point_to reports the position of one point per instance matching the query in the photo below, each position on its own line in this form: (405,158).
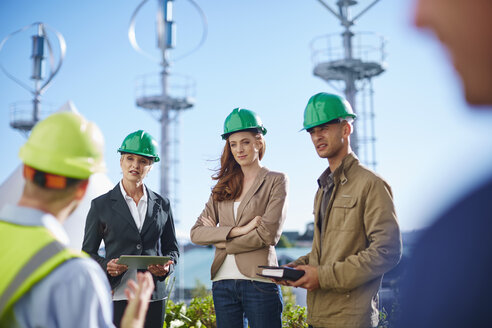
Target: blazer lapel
(120,206)
(252,190)
(152,208)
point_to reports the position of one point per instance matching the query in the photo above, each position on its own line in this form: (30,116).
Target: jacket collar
(260,178)
(120,206)
(153,207)
(340,174)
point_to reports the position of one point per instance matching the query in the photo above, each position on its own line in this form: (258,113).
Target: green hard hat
(140,143)
(325,107)
(242,119)
(65,144)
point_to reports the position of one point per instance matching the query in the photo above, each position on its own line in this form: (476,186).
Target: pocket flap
(345,202)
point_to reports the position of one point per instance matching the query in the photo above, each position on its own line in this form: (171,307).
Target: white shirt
(229,269)
(138,213)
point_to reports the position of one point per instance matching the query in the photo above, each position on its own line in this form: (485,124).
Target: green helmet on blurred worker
(65,144)
(325,107)
(242,119)
(140,143)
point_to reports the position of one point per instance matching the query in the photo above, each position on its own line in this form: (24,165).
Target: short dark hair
(335,121)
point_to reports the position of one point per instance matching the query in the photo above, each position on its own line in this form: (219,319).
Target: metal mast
(166,96)
(354,64)
(21,118)
(161,102)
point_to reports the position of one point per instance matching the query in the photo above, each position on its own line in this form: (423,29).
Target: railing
(22,114)
(180,87)
(366,46)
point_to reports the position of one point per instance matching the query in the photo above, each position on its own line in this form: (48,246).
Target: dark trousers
(154,318)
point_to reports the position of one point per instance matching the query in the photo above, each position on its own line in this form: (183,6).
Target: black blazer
(110,219)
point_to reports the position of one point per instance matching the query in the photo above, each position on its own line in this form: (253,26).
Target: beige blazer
(266,198)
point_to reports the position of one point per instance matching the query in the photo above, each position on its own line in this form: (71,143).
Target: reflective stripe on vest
(28,255)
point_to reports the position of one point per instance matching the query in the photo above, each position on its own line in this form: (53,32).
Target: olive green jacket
(360,242)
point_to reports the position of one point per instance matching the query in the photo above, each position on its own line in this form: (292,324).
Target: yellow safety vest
(27,255)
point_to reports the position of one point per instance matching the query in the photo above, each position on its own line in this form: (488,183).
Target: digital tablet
(141,261)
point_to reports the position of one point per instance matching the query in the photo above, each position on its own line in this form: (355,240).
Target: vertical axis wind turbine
(354,65)
(21,118)
(167,95)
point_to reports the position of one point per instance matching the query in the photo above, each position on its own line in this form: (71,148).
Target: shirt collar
(29,216)
(326,178)
(126,197)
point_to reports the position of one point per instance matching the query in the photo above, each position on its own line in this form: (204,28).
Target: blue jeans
(239,302)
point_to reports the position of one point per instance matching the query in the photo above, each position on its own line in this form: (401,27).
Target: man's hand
(160,270)
(138,294)
(309,280)
(115,269)
(284,282)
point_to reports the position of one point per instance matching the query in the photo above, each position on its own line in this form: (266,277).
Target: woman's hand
(253,224)
(115,269)
(208,221)
(220,244)
(239,231)
(160,270)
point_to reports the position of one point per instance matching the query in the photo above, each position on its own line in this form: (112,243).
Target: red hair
(230,176)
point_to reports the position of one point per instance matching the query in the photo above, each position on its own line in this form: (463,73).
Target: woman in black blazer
(131,219)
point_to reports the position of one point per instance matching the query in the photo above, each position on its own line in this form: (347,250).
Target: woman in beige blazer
(243,219)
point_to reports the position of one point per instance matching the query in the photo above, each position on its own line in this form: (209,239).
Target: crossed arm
(234,232)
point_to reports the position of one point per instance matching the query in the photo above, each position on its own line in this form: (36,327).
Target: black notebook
(280,273)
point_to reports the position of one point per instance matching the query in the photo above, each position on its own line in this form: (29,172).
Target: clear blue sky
(430,146)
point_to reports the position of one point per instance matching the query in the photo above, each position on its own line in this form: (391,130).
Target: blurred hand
(115,269)
(138,294)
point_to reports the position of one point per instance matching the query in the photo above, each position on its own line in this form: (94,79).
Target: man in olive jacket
(356,235)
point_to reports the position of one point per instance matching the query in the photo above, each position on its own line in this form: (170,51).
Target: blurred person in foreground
(449,278)
(356,236)
(131,219)
(44,283)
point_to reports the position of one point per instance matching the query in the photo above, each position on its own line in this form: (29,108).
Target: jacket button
(139,246)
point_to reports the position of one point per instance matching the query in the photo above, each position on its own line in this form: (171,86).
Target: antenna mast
(166,96)
(154,92)
(354,63)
